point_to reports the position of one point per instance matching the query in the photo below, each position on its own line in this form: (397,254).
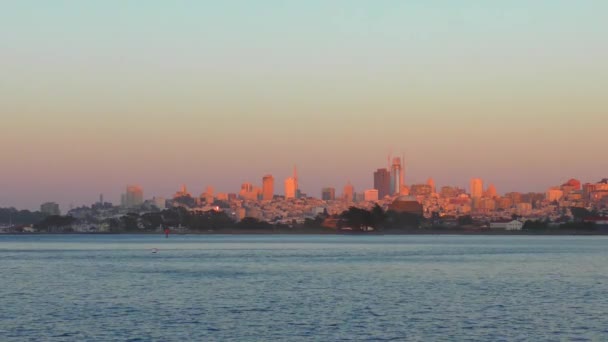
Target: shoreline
(263,232)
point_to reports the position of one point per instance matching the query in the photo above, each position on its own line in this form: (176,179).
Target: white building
(507,225)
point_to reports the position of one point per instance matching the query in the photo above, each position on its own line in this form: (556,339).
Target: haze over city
(98,95)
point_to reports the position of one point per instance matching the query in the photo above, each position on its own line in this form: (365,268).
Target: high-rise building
(328,194)
(50,208)
(491,191)
(396,176)
(431,182)
(349,193)
(267,187)
(249,192)
(476,188)
(134,196)
(382,182)
(290,187)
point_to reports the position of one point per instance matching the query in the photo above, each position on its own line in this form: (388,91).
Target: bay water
(303,288)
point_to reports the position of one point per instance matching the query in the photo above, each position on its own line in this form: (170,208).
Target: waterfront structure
(328,194)
(382,182)
(507,225)
(476,188)
(134,197)
(50,208)
(267,187)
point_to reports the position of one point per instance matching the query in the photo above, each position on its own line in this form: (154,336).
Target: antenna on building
(402,168)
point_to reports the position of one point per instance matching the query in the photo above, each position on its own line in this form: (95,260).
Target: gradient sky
(95,95)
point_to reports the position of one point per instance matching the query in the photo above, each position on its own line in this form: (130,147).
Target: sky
(95,95)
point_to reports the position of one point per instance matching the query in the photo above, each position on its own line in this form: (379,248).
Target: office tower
(382,182)
(267,187)
(50,208)
(134,196)
(476,188)
(349,193)
(290,187)
(328,194)
(396,176)
(431,182)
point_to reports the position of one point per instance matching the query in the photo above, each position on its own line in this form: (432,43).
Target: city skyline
(206,93)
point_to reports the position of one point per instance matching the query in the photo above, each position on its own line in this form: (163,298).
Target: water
(292,288)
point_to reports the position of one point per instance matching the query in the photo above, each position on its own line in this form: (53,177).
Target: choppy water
(290,288)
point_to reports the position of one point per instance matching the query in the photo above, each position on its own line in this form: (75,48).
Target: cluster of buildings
(446,204)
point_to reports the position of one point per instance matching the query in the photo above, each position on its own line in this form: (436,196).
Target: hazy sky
(95,95)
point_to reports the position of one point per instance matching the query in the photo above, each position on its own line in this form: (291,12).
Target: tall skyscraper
(328,194)
(476,188)
(349,193)
(382,182)
(290,187)
(431,182)
(396,176)
(134,196)
(268,187)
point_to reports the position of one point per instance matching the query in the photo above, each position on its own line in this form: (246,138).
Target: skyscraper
(328,194)
(290,187)
(349,193)
(431,182)
(268,187)
(382,182)
(396,176)
(476,188)
(134,196)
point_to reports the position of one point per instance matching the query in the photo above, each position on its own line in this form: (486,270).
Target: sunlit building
(476,188)
(134,196)
(396,176)
(290,187)
(267,187)
(431,182)
(491,191)
(370,195)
